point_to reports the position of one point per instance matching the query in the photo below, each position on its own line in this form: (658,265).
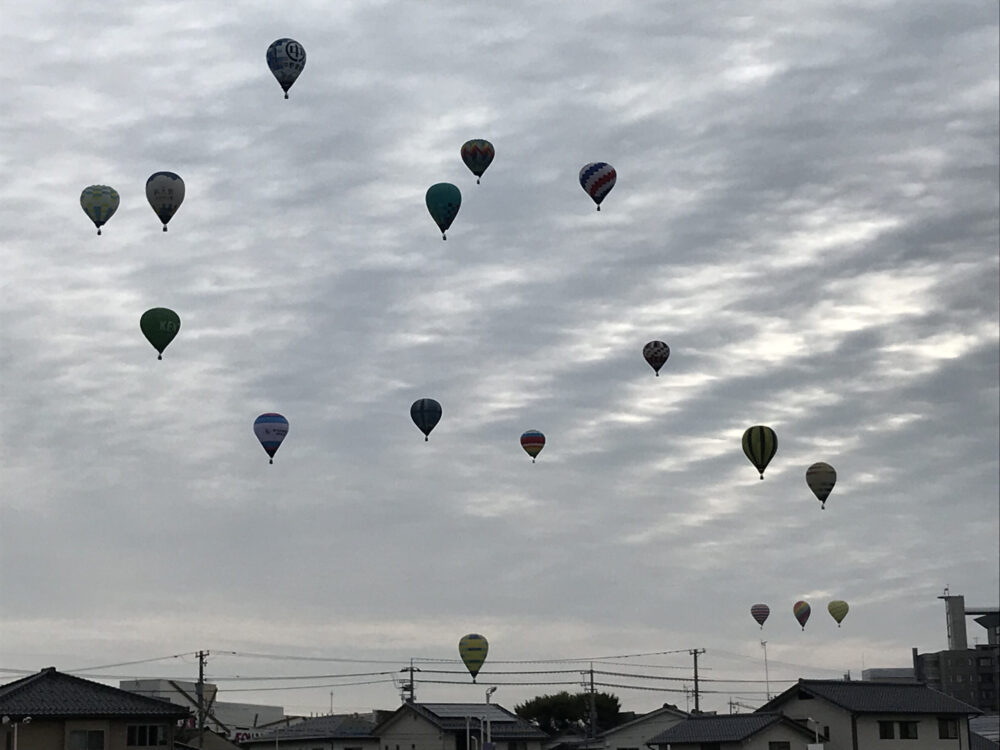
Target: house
(636,734)
(334,732)
(457,726)
(756,731)
(55,711)
(858,715)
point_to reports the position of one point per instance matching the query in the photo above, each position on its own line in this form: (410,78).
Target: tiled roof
(727,728)
(451,717)
(54,694)
(877,697)
(638,720)
(978,742)
(337,726)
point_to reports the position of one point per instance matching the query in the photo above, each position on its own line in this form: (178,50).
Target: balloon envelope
(286,58)
(656,354)
(760,613)
(533,441)
(165,193)
(802,610)
(270,430)
(443,201)
(425,413)
(99,202)
(473,649)
(477,155)
(159,325)
(760,444)
(838,610)
(597,178)
(821,477)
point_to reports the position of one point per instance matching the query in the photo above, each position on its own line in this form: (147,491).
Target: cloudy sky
(806,212)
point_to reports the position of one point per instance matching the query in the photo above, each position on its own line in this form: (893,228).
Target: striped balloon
(270,430)
(533,441)
(760,613)
(802,610)
(425,413)
(99,202)
(597,178)
(473,649)
(477,155)
(760,444)
(821,477)
(656,354)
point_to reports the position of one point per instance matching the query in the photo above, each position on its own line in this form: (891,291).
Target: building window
(145,735)
(907,730)
(86,739)
(709,746)
(948,729)
(886,730)
(780,745)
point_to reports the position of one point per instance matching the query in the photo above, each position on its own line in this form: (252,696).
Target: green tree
(564,712)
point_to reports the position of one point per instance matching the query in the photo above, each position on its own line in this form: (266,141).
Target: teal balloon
(443,201)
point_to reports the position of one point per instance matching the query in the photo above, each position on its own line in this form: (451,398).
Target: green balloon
(159,326)
(443,201)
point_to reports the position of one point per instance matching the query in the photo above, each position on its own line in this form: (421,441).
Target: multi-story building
(972,674)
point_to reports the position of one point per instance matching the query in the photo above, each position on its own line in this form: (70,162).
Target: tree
(564,712)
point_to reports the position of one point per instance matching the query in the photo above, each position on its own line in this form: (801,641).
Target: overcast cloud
(806,212)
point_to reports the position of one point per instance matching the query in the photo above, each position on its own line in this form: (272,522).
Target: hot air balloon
(597,178)
(473,649)
(802,611)
(286,58)
(270,430)
(165,192)
(159,325)
(477,155)
(821,477)
(443,201)
(760,444)
(838,610)
(99,202)
(533,441)
(760,613)
(425,413)
(656,354)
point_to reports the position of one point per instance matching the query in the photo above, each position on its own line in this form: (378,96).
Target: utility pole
(694,652)
(593,705)
(200,693)
(408,691)
(767,679)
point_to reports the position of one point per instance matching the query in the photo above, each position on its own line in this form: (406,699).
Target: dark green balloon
(443,201)
(159,326)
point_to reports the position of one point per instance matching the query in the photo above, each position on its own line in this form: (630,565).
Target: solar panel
(461,710)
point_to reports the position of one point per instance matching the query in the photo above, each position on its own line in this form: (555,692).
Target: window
(948,729)
(886,730)
(145,735)
(86,739)
(709,746)
(779,746)
(907,730)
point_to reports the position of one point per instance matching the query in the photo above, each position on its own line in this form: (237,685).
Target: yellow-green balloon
(99,202)
(473,648)
(838,610)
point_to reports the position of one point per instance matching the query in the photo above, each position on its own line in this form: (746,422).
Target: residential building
(457,726)
(858,715)
(756,731)
(636,734)
(55,711)
(228,719)
(335,732)
(889,674)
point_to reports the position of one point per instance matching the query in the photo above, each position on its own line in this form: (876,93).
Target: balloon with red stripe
(533,441)
(802,610)
(597,178)
(760,613)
